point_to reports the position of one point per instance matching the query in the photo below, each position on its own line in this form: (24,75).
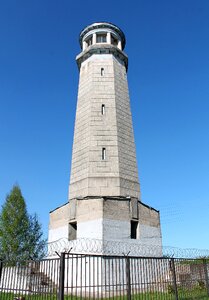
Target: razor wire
(131,248)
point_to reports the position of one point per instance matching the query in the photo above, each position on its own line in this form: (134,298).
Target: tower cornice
(102,49)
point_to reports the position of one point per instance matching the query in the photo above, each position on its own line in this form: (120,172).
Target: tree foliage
(20,233)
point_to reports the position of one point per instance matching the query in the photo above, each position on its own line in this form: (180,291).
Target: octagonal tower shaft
(104,156)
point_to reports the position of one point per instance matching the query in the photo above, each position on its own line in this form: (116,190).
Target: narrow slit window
(103,109)
(102,71)
(134,225)
(103,153)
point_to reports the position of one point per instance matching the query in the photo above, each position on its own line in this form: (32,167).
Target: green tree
(36,245)
(20,233)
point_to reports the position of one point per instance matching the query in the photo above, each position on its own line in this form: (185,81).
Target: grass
(194,294)
(144,296)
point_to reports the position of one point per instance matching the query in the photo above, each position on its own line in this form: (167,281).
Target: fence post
(206,275)
(1,268)
(62,276)
(128,278)
(174,279)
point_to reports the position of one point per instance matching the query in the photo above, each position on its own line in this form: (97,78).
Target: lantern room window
(101,38)
(89,41)
(114,41)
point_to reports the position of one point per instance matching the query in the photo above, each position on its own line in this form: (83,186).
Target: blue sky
(168,49)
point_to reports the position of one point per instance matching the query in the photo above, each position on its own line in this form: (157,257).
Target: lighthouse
(104,202)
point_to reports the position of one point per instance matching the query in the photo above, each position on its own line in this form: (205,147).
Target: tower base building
(104,213)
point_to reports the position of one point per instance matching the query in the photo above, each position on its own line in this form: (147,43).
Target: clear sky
(168,49)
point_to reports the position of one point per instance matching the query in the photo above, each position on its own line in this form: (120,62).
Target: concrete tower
(104,194)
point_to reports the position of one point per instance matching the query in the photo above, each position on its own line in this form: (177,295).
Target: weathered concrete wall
(92,229)
(89,209)
(59,216)
(149,229)
(58,223)
(108,219)
(148,215)
(90,218)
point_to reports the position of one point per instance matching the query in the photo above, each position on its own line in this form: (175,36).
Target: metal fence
(31,279)
(80,276)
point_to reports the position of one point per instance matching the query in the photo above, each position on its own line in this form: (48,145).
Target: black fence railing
(80,276)
(30,279)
